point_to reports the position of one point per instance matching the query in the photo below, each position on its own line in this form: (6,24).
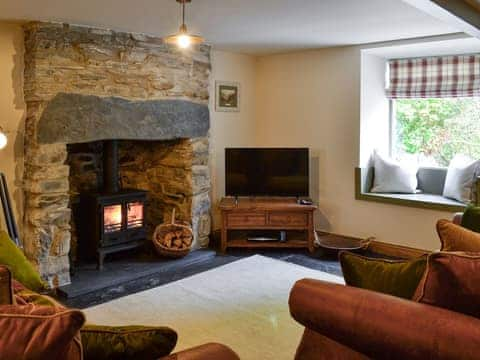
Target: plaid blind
(434,77)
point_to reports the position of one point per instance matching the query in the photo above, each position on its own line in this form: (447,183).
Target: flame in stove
(135,214)
(112,218)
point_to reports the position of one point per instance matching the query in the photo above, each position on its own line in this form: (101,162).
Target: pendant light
(183,39)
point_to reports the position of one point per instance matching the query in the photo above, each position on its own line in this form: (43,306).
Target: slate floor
(127,275)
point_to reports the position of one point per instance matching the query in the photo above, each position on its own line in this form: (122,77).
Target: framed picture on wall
(227,96)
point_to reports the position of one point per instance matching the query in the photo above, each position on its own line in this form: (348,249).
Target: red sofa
(343,322)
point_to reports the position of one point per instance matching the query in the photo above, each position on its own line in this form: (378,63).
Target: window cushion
(460,178)
(127,342)
(394,277)
(392,177)
(21,269)
(471,218)
(452,281)
(457,238)
(40,332)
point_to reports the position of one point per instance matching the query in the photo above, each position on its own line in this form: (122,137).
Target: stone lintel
(75,118)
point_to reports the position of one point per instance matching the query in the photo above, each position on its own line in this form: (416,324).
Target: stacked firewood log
(173,239)
(180,238)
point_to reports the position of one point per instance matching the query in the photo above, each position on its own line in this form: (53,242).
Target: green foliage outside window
(438,129)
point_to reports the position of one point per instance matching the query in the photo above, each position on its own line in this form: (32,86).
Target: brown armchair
(343,322)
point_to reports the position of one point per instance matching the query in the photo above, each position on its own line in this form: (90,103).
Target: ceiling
(248,26)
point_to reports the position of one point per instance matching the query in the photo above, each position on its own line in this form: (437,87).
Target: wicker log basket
(173,239)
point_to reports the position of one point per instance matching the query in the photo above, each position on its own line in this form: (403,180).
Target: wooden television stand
(244,215)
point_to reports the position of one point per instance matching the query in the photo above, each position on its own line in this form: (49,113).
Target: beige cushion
(456,238)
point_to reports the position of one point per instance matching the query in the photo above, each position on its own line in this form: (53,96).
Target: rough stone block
(201,179)
(51,186)
(46,154)
(71,118)
(31,242)
(61,243)
(201,204)
(53,172)
(46,200)
(56,271)
(50,216)
(200,146)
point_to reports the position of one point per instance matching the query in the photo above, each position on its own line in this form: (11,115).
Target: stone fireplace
(174,173)
(86,85)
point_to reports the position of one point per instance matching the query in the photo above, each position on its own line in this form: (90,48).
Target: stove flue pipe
(110,166)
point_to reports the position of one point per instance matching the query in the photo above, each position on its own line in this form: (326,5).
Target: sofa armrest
(210,351)
(383,326)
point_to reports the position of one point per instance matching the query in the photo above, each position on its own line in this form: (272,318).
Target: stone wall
(175,173)
(103,63)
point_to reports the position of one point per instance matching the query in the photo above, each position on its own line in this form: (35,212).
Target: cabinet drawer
(288,219)
(246,219)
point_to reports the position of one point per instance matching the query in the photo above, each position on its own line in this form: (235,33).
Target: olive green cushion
(26,296)
(394,277)
(471,218)
(22,270)
(127,342)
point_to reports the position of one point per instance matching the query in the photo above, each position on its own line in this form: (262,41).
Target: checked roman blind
(434,77)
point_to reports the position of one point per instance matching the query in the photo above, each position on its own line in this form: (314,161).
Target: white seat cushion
(393,177)
(460,179)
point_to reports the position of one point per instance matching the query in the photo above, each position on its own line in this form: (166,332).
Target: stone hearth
(84,85)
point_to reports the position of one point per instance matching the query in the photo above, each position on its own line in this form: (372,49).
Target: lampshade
(183,39)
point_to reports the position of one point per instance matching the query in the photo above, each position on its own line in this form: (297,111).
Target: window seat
(430,182)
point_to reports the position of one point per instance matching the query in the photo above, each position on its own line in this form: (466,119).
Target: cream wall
(230,129)
(313,99)
(12,111)
(375,109)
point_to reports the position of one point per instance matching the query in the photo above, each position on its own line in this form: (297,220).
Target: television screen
(266,171)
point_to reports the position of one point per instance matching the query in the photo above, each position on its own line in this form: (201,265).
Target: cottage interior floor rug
(243,304)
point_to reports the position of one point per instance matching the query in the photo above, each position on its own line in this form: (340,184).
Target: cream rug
(243,304)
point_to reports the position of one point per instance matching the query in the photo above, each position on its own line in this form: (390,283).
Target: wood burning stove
(112,220)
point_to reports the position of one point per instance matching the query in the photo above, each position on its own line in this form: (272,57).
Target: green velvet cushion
(127,342)
(22,270)
(394,277)
(471,218)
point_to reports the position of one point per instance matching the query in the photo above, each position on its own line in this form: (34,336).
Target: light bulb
(3,140)
(183,41)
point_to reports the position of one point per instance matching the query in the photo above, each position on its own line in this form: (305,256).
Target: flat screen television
(266,172)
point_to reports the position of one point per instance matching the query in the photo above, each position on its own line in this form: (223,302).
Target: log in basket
(173,239)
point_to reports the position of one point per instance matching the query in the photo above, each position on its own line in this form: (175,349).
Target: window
(435,108)
(434,130)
